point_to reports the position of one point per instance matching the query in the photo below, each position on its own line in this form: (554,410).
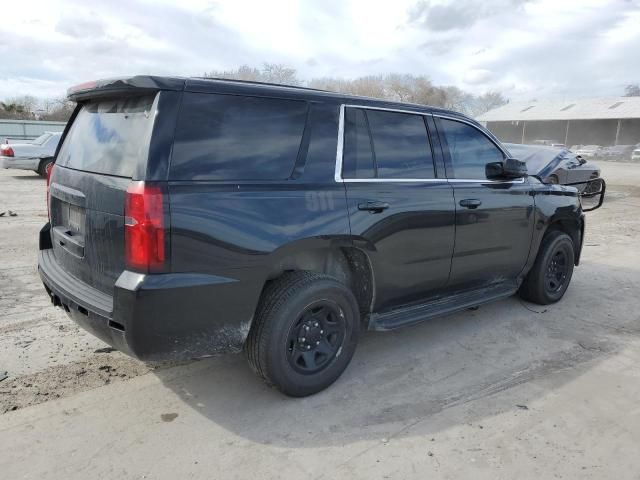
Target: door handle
(373,206)
(470,203)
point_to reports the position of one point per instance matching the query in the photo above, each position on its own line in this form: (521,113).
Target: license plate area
(69,233)
(73,218)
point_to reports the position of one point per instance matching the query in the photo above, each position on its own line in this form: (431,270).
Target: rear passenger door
(494,218)
(400,205)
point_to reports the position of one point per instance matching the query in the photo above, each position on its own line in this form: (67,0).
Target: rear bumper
(156,317)
(19,163)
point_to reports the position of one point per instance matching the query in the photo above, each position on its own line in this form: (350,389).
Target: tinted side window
(358,156)
(401,145)
(381,144)
(230,137)
(321,155)
(469,148)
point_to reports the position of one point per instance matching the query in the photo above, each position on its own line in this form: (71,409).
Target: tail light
(49,172)
(6,151)
(144,234)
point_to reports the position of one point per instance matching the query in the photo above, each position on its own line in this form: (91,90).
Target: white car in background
(635,155)
(588,151)
(36,156)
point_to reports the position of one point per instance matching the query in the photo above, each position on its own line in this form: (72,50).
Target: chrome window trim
(472,180)
(394,110)
(340,152)
(392,180)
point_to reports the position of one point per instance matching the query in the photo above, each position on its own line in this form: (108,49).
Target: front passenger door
(494,218)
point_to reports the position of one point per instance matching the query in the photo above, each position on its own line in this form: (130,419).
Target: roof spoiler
(130,85)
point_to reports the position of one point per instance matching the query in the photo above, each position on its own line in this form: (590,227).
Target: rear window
(231,137)
(383,144)
(401,145)
(110,136)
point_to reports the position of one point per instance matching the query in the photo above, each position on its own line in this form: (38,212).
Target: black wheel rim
(557,270)
(316,337)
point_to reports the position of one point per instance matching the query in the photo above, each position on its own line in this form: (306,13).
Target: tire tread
(532,289)
(275,295)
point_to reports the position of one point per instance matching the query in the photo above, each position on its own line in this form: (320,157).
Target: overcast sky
(525,49)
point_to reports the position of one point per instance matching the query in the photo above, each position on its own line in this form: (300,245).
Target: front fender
(556,206)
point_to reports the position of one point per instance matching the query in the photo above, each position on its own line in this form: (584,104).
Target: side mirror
(510,168)
(514,168)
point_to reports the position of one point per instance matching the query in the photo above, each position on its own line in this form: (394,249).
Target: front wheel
(304,333)
(549,278)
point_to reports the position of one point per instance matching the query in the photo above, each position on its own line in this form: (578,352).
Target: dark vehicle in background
(190,217)
(555,165)
(36,155)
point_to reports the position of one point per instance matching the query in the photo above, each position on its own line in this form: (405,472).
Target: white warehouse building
(602,121)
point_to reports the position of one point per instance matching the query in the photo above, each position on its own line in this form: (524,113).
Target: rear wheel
(45,166)
(549,278)
(304,333)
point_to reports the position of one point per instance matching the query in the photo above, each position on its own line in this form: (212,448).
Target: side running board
(413,314)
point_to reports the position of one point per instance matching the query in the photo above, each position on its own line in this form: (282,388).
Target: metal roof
(580,109)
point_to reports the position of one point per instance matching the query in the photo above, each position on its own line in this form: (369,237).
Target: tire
(44,166)
(551,274)
(295,360)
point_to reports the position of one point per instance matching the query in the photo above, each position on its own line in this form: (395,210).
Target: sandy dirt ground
(512,390)
(44,354)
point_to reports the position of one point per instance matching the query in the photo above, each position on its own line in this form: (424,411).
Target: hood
(541,160)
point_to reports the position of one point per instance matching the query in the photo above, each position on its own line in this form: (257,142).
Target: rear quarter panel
(244,230)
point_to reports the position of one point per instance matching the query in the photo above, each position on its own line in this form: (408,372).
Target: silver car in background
(588,151)
(36,155)
(555,165)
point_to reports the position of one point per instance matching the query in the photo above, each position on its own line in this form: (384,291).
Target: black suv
(189,217)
